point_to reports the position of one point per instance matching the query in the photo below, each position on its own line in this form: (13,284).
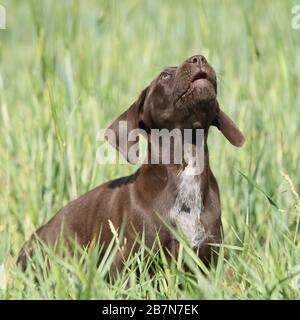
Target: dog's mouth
(201,86)
(201,75)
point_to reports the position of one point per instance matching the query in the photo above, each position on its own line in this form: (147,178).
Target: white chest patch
(188,206)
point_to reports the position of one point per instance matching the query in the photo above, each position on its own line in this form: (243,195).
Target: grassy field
(68,68)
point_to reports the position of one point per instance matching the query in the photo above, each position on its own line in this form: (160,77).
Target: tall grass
(68,68)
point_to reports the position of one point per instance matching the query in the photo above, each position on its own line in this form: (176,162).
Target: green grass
(68,68)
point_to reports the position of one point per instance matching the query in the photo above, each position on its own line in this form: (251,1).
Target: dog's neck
(190,191)
(176,165)
(185,193)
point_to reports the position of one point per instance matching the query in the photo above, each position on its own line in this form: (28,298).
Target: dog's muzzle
(195,83)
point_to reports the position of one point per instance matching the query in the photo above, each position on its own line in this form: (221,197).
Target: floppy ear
(228,128)
(123,126)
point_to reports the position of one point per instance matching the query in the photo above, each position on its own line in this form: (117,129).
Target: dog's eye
(165,76)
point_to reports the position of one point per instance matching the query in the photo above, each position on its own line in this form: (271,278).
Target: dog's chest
(187,208)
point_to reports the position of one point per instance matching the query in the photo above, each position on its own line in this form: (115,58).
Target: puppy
(182,98)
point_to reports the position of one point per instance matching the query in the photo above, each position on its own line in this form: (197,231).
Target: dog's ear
(228,128)
(124,137)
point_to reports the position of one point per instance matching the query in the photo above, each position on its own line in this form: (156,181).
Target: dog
(182,97)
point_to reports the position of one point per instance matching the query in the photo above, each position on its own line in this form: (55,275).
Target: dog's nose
(198,59)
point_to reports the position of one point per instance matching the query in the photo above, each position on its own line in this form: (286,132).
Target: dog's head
(183,97)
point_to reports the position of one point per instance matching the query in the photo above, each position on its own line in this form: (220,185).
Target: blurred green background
(68,68)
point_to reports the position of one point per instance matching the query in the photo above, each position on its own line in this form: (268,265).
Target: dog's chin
(201,93)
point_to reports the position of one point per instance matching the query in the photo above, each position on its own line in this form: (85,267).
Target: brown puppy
(182,97)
